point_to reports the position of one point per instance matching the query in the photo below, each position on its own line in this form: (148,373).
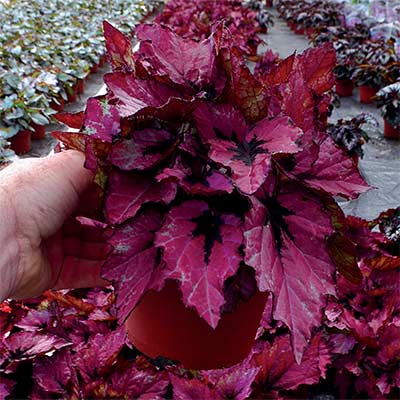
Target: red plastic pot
(161,325)
(344,87)
(94,68)
(59,106)
(390,132)
(366,94)
(310,32)
(103,60)
(39,132)
(80,86)
(72,94)
(299,31)
(21,142)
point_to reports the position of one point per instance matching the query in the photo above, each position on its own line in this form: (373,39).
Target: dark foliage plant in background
(207,174)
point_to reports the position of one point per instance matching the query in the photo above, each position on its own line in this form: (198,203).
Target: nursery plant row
(232,270)
(47,50)
(367,51)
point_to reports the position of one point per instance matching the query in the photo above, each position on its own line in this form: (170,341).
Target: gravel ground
(380,165)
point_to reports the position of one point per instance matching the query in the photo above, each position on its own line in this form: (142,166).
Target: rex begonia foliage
(194,20)
(208,175)
(200,164)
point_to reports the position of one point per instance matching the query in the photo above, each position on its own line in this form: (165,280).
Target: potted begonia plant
(350,135)
(24,112)
(345,67)
(5,152)
(388,100)
(376,67)
(208,176)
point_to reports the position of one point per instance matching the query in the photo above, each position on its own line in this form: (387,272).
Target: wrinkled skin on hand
(42,246)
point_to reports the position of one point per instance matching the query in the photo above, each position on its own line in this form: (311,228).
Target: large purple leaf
(243,89)
(332,171)
(139,97)
(234,382)
(313,366)
(279,369)
(134,383)
(317,66)
(23,345)
(297,101)
(226,383)
(285,242)
(185,389)
(127,192)
(250,159)
(119,48)
(52,374)
(100,353)
(146,148)
(195,240)
(101,119)
(182,61)
(219,120)
(131,265)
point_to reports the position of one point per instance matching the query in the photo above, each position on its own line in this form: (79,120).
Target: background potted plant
(5,152)
(350,135)
(388,100)
(376,66)
(344,68)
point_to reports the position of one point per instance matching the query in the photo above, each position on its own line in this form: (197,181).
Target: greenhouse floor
(380,165)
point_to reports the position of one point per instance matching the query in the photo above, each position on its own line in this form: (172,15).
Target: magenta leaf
(35,320)
(132,264)
(194,240)
(285,242)
(145,149)
(317,65)
(243,89)
(234,382)
(185,389)
(279,369)
(332,171)
(184,62)
(100,353)
(127,192)
(313,366)
(298,102)
(119,48)
(138,96)
(134,383)
(102,119)
(53,374)
(219,121)
(250,159)
(24,345)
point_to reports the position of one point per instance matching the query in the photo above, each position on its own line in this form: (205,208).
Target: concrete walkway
(381,163)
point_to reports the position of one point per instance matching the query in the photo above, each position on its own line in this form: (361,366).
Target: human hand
(40,247)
